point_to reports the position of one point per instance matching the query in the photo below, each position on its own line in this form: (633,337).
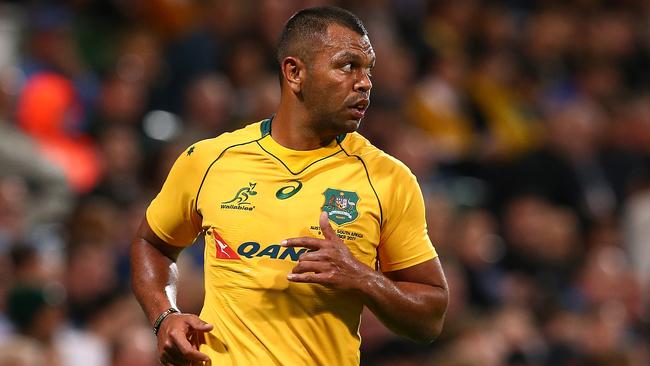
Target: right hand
(174,335)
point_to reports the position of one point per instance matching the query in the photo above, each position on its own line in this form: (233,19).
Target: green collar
(265,129)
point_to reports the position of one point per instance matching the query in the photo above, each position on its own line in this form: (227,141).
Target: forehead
(339,38)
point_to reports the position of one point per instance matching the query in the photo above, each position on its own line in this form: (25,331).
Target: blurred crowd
(527,124)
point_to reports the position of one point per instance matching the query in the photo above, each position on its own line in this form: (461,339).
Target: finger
(316,255)
(196,339)
(197,324)
(184,353)
(326,227)
(185,350)
(323,279)
(304,242)
(310,266)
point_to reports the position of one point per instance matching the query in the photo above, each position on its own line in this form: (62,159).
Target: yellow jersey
(246,193)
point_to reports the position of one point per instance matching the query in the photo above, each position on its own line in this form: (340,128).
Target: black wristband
(161,317)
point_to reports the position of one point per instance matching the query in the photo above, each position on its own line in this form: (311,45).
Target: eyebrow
(352,55)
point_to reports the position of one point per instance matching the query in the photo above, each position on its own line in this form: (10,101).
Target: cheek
(337,91)
(319,95)
(325,93)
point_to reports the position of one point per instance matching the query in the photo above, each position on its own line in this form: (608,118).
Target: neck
(295,130)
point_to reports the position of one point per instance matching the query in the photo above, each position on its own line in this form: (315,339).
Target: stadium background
(526,122)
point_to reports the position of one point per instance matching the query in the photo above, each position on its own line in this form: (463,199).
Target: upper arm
(149,237)
(427,273)
(172,216)
(404,239)
(425,284)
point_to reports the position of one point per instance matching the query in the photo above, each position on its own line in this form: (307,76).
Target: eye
(347,67)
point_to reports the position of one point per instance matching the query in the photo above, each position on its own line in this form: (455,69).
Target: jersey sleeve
(172,214)
(404,238)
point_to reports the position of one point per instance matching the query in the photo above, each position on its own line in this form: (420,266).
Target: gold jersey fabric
(246,193)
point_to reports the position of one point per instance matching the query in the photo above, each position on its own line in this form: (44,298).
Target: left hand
(329,262)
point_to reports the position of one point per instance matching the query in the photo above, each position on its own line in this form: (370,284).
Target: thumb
(197,324)
(326,227)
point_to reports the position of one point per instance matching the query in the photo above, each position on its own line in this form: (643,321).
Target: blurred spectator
(91,276)
(506,126)
(21,351)
(605,267)
(135,347)
(139,58)
(527,125)
(37,313)
(91,281)
(44,182)
(208,104)
(573,168)
(479,249)
(49,111)
(121,102)
(122,161)
(542,243)
(28,266)
(439,106)
(24,164)
(13,227)
(637,237)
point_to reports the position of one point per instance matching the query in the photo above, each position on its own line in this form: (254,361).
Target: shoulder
(377,162)
(212,147)
(199,156)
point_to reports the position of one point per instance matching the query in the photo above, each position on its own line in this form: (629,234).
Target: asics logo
(288,191)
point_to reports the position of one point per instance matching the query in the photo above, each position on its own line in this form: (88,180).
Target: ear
(293,70)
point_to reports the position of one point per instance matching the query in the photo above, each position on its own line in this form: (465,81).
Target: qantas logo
(251,249)
(223,250)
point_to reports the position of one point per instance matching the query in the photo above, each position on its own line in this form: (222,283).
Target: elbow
(436,330)
(430,330)
(428,334)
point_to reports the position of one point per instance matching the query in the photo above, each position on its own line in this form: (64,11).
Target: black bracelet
(161,317)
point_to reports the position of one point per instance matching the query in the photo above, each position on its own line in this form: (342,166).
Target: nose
(363,83)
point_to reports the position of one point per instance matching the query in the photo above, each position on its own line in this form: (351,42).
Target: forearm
(154,278)
(413,310)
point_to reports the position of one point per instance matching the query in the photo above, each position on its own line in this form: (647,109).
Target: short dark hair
(310,24)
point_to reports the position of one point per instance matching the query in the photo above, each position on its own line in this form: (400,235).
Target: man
(284,285)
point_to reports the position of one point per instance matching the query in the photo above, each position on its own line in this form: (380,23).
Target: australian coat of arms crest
(341,206)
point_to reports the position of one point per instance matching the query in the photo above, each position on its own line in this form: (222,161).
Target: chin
(351,125)
(337,127)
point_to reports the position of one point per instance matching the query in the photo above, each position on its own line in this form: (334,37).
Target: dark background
(527,124)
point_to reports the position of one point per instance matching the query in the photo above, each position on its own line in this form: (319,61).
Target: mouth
(359,107)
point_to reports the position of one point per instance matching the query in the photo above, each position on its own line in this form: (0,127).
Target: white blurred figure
(37,313)
(136,347)
(637,238)
(636,214)
(208,106)
(21,351)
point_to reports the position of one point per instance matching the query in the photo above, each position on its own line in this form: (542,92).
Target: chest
(251,203)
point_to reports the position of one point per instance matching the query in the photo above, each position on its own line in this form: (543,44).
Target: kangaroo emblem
(222,248)
(241,198)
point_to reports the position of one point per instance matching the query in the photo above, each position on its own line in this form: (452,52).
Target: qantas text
(252,249)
